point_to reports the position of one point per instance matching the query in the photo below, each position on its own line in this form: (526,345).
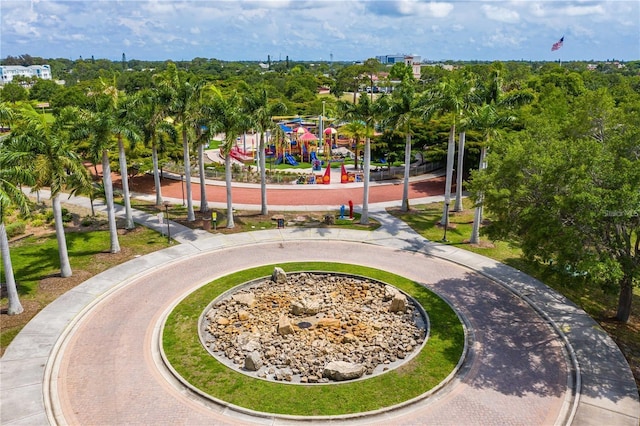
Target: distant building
(414,61)
(8,72)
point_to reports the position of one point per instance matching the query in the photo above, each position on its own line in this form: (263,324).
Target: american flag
(557,45)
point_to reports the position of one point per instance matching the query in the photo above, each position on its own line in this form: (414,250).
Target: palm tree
(202,112)
(183,97)
(123,126)
(368,112)
(44,147)
(451,95)
(356,131)
(97,126)
(261,112)
(228,119)
(10,194)
(401,111)
(156,131)
(6,114)
(487,120)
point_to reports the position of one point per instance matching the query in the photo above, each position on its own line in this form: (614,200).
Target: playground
(297,149)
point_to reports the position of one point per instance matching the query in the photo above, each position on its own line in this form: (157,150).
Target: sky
(321,30)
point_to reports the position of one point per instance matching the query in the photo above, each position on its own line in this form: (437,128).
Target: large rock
(253,361)
(305,307)
(279,275)
(246,299)
(284,326)
(341,371)
(399,303)
(249,342)
(390,292)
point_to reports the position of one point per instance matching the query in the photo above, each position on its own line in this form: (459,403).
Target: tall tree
(156,131)
(123,127)
(356,131)
(96,126)
(451,95)
(260,112)
(44,147)
(488,121)
(572,196)
(228,119)
(368,112)
(183,96)
(402,109)
(10,194)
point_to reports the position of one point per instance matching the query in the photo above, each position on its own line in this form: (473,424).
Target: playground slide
(279,160)
(291,160)
(313,156)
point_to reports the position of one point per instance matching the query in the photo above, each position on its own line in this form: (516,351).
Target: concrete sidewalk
(604,389)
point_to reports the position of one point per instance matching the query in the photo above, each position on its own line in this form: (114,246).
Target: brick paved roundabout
(92,356)
(517,371)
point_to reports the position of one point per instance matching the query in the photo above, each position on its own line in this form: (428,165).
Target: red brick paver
(516,372)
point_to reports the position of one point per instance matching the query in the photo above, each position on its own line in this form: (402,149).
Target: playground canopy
(308,137)
(286,128)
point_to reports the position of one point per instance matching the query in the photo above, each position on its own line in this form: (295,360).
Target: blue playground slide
(313,156)
(279,160)
(290,159)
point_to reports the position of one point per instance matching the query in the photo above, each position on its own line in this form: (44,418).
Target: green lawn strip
(434,363)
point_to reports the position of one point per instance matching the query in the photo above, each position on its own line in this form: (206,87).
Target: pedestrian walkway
(513,373)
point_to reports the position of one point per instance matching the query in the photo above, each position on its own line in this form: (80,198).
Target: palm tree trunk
(407,171)
(187,173)
(108,193)
(364,218)
(477,217)
(227,178)
(447,185)
(356,155)
(458,205)
(156,175)
(125,185)
(263,175)
(204,205)
(65,265)
(15,307)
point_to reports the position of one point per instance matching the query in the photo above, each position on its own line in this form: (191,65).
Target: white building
(8,72)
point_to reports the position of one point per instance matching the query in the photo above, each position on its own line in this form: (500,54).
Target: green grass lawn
(419,375)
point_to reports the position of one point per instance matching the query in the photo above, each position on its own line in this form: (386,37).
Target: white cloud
(500,14)
(582,10)
(351,29)
(440,9)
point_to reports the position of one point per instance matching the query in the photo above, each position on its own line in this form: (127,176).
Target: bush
(38,222)
(87,221)
(16,228)
(66,215)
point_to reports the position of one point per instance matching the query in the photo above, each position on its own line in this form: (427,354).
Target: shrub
(66,215)
(87,221)
(16,228)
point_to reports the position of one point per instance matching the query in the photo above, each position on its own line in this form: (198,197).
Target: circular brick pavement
(516,371)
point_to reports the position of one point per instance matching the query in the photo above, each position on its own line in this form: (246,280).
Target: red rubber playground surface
(294,195)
